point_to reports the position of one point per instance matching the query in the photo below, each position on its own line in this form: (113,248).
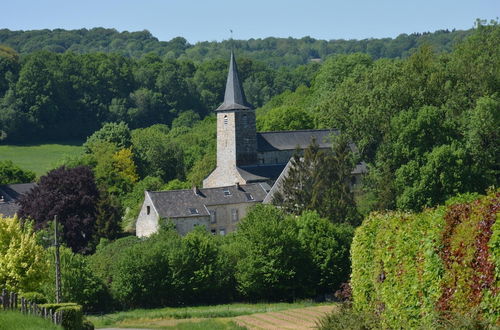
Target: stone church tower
(236,134)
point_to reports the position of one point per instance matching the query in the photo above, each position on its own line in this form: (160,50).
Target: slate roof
(234,97)
(289,140)
(262,172)
(11,194)
(8,209)
(177,203)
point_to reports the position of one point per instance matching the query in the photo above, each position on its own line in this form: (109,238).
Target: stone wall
(147,221)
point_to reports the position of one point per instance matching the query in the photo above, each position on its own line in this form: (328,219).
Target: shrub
(79,283)
(413,269)
(72,316)
(35,297)
(271,262)
(22,263)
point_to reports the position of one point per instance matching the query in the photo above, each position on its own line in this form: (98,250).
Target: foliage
(11,173)
(327,246)
(78,281)
(116,133)
(71,195)
(142,272)
(36,297)
(415,269)
(276,51)
(424,126)
(271,263)
(72,316)
(22,263)
(320,181)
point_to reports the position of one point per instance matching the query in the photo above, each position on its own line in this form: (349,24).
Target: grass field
(218,315)
(16,321)
(40,158)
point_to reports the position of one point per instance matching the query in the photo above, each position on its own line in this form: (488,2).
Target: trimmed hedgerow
(412,269)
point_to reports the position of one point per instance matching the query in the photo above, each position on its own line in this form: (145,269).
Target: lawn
(164,317)
(10,320)
(40,158)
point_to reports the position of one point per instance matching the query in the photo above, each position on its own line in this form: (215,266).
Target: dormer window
(225,119)
(193,211)
(249,196)
(226,192)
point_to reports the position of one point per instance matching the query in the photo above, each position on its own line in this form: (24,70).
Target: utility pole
(58,263)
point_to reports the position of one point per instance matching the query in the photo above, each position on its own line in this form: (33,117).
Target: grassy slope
(142,316)
(16,321)
(39,158)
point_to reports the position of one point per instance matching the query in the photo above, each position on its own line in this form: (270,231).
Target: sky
(209,20)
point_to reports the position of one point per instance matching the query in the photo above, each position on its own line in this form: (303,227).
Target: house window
(249,196)
(193,211)
(226,192)
(245,121)
(148,209)
(213,216)
(234,215)
(213,231)
(225,119)
(222,231)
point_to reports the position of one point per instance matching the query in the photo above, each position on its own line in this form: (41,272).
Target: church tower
(236,133)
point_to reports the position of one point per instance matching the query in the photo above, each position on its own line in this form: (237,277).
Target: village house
(250,166)
(10,195)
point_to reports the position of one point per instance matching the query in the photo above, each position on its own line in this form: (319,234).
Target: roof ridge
(302,130)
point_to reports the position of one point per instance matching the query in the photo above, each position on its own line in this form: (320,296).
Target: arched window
(225,119)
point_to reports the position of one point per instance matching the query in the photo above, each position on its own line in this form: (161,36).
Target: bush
(79,283)
(414,268)
(271,264)
(35,297)
(72,316)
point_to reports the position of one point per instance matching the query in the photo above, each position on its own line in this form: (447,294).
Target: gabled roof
(234,97)
(289,140)
(178,203)
(261,172)
(12,192)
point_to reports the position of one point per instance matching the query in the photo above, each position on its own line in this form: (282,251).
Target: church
(250,166)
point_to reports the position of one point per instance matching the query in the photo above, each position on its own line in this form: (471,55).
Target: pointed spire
(234,98)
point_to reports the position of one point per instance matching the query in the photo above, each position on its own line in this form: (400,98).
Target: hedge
(413,269)
(72,316)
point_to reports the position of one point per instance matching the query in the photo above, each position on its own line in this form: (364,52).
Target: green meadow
(40,158)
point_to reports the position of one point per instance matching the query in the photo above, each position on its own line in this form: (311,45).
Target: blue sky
(212,19)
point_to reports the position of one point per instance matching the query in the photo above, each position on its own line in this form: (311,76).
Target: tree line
(427,125)
(46,95)
(275,52)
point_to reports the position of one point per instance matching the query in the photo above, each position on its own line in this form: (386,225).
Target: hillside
(272,51)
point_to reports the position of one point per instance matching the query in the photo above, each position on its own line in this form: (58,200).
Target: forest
(426,124)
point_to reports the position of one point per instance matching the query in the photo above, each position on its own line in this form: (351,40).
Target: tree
(332,196)
(327,246)
(70,194)
(78,282)
(320,181)
(116,133)
(22,263)
(11,173)
(271,264)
